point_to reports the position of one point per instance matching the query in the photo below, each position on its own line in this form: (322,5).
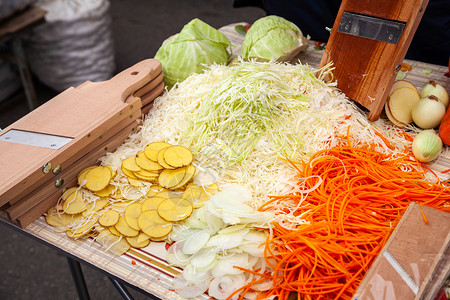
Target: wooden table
(145,268)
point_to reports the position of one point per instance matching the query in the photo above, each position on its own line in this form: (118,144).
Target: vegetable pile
(265,179)
(352,199)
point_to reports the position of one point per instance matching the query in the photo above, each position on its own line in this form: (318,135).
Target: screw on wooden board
(397,68)
(57,170)
(59,182)
(46,168)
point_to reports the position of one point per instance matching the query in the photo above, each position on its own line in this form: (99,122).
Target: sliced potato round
(152,203)
(83,173)
(175,209)
(97,178)
(53,218)
(153,190)
(145,163)
(68,192)
(177,156)
(114,231)
(83,230)
(125,229)
(142,237)
(108,190)
(135,182)
(133,241)
(130,164)
(211,188)
(153,225)
(109,218)
(95,206)
(166,193)
(161,161)
(391,117)
(131,214)
(113,243)
(152,149)
(128,173)
(170,178)
(190,171)
(74,204)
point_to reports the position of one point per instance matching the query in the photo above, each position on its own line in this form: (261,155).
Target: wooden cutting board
(83,115)
(367,45)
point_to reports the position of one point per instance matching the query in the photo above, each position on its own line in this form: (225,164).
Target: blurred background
(111,36)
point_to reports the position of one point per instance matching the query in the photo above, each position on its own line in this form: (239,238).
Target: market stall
(148,269)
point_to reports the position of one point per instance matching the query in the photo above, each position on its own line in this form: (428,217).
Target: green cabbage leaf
(195,47)
(273,38)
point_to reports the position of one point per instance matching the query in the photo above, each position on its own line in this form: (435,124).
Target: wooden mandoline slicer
(44,151)
(367,45)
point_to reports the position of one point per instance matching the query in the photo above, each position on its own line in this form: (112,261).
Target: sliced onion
(231,229)
(186,290)
(181,232)
(195,242)
(225,241)
(223,287)
(175,255)
(226,265)
(254,249)
(197,219)
(194,276)
(204,259)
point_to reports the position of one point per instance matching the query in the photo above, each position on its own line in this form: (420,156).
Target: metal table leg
(24,72)
(78,278)
(122,289)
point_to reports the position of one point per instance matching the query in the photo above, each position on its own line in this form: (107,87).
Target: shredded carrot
(445,171)
(351,215)
(425,219)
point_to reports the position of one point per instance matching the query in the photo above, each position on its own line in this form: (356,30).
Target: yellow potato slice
(144,163)
(196,195)
(401,102)
(109,218)
(74,204)
(170,178)
(84,230)
(142,237)
(153,225)
(113,173)
(125,229)
(97,178)
(107,191)
(53,218)
(135,182)
(131,215)
(190,171)
(152,149)
(68,192)
(113,243)
(161,161)
(166,193)
(177,156)
(128,173)
(160,239)
(95,206)
(114,231)
(153,190)
(83,173)
(133,241)
(130,164)
(147,178)
(175,209)
(117,194)
(152,203)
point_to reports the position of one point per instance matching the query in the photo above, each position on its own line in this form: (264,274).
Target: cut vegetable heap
(139,203)
(352,199)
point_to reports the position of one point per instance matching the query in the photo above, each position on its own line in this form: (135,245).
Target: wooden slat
(49,196)
(83,113)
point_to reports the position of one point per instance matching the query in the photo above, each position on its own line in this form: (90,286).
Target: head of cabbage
(196,46)
(273,38)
